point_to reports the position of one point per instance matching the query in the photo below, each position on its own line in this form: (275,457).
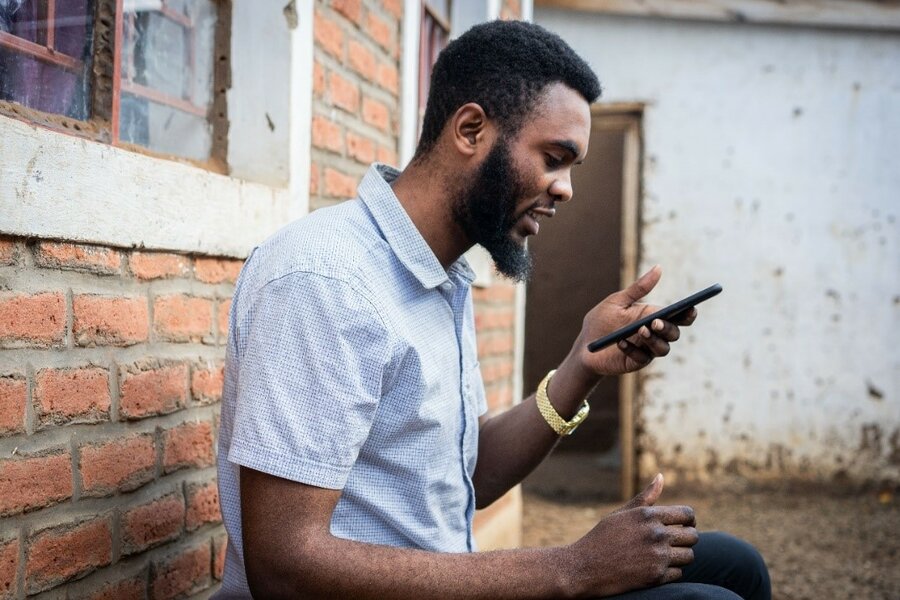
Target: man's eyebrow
(569,146)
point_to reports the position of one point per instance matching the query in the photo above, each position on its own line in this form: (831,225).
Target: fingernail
(657,324)
(623,345)
(645,332)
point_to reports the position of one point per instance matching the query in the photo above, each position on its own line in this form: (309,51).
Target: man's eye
(552,161)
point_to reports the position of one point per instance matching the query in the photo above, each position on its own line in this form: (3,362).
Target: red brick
(344,93)
(351,9)
(188,445)
(327,135)
(318,79)
(202,505)
(381,31)
(206,384)
(499,292)
(9,255)
(133,588)
(32,320)
(362,60)
(496,371)
(79,257)
(338,185)
(153,523)
(64,395)
(376,114)
(158,265)
(180,318)
(183,574)
(67,552)
(9,566)
(34,482)
(395,7)
(387,156)
(329,35)
(220,547)
(223,318)
(499,398)
(511,10)
(389,78)
(153,391)
(110,320)
(361,148)
(313,183)
(13,396)
(123,464)
(217,270)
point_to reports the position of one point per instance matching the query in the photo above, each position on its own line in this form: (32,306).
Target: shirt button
(446,286)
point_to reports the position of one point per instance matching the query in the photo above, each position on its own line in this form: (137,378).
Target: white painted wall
(770,166)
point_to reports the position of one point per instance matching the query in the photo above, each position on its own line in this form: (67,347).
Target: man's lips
(531,218)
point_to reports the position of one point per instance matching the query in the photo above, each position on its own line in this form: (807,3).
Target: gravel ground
(817,544)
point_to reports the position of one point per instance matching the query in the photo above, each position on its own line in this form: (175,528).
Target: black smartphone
(669,313)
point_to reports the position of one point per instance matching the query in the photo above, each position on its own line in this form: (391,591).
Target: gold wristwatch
(556,422)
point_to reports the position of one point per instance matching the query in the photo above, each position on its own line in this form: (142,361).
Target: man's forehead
(562,117)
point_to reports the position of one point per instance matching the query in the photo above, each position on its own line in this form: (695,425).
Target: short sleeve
(312,354)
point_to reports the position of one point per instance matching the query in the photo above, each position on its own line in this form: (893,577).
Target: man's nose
(561,188)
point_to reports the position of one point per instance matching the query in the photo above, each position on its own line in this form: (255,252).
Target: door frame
(627,116)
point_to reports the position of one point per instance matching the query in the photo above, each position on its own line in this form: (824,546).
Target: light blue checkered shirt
(352,365)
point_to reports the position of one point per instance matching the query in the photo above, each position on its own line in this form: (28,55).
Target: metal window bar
(46,51)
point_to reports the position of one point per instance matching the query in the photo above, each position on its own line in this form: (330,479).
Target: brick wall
(110,378)
(356,87)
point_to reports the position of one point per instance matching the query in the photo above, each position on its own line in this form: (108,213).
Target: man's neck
(425,193)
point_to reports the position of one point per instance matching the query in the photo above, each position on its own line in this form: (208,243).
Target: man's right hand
(639,545)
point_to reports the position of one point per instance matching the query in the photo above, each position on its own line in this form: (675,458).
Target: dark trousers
(724,568)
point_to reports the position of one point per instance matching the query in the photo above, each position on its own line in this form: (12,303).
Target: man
(351,454)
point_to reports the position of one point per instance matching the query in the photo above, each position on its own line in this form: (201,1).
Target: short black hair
(503,66)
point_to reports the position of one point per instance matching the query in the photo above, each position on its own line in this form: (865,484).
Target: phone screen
(668,313)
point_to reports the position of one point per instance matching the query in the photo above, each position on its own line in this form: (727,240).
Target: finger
(648,496)
(683,536)
(635,353)
(672,574)
(685,317)
(666,330)
(679,557)
(677,515)
(652,343)
(640,288)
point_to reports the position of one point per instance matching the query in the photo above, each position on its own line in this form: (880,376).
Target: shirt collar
(401,234)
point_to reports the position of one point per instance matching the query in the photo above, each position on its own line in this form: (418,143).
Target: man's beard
(486,211)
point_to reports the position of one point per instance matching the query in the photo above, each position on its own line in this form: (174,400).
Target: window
(45,55)
(158,85)
(167,76)
(434,35)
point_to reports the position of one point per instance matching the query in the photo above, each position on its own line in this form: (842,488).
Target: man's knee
(741,565)
(699,591)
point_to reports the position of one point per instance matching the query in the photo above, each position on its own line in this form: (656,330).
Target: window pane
(167,76)
(45,55)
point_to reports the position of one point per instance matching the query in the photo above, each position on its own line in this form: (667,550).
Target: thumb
(640,288)
(649,496)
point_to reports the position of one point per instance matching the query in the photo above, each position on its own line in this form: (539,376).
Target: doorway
(588,251)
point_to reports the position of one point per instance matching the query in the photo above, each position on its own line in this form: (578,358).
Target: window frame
(108,194)
(103,123)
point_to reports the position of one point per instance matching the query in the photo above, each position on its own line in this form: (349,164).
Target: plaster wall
(770,165)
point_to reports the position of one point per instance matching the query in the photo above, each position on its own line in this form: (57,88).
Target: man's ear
(471,130)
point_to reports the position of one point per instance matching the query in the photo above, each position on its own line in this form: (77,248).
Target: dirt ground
(817,544)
